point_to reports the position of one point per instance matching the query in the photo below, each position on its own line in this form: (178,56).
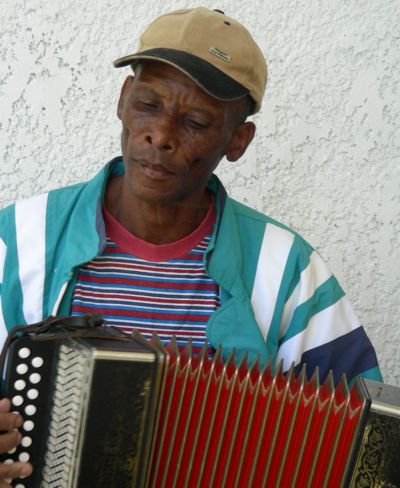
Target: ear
(123,95)
(240,140)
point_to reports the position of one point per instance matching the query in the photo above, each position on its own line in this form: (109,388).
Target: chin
(153,192)
(156,197)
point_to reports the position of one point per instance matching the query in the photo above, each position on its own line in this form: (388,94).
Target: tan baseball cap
(215,51)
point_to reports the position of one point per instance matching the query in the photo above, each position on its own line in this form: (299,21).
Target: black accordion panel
(85,399)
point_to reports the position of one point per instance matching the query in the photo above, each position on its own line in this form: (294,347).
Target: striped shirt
(160,289)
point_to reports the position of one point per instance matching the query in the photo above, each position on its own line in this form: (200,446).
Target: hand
(10,438)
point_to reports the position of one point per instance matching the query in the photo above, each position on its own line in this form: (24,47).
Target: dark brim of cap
(208,77)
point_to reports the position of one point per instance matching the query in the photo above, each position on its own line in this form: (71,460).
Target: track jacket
(278,299)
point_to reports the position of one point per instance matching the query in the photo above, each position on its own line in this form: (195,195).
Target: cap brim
(208,77)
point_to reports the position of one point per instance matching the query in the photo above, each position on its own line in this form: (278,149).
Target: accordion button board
(23,387)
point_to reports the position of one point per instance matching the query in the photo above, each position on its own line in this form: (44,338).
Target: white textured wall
(326,159)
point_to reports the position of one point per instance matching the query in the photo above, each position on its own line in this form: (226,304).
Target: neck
(157,223)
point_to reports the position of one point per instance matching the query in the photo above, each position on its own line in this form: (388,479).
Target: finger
(10,421)
(15,470)
(5,405)
(9,440)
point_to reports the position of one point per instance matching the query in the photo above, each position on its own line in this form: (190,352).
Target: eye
(197,124)
(144,103)
(148,104)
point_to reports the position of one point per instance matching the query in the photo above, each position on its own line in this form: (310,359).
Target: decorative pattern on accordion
(378,463)
(68,416)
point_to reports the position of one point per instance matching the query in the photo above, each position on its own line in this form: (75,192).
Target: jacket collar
(224,253)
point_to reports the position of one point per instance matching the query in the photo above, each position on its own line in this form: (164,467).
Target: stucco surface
(326,157)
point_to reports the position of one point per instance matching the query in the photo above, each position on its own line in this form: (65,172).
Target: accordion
(104,409)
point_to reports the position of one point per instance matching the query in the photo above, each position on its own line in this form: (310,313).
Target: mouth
(154,171)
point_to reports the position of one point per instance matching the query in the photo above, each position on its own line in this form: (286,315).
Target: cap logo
(220,54)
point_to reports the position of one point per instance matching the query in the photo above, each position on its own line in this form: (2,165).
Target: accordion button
(19,385)
(26,441)
(37,362)
(8,461)
(24,457)
(24,352)
(32,394)
(22,368)
(17,400)
(20,485)
(30,410)
(11,451)
(35,378)
(28,425)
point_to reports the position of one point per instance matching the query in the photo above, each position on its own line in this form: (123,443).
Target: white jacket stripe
(313,276)
(3,250)
(3,328)
(274,253)
(59,298)
(323,327)
(30,222)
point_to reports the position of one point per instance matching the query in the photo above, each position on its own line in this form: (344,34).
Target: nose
(162,134)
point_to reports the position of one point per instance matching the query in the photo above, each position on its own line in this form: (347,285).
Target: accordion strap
(77,326)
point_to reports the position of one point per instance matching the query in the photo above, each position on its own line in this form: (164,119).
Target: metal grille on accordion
(103,409)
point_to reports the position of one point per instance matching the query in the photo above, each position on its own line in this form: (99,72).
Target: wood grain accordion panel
(103,409)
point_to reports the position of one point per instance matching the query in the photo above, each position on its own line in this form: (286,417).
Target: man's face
(173,135)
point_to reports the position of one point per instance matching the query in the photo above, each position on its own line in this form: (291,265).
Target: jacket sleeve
(318,325)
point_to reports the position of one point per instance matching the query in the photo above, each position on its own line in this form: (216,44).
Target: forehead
(162,77)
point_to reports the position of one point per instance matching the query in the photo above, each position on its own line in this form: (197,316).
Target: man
(153,241)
